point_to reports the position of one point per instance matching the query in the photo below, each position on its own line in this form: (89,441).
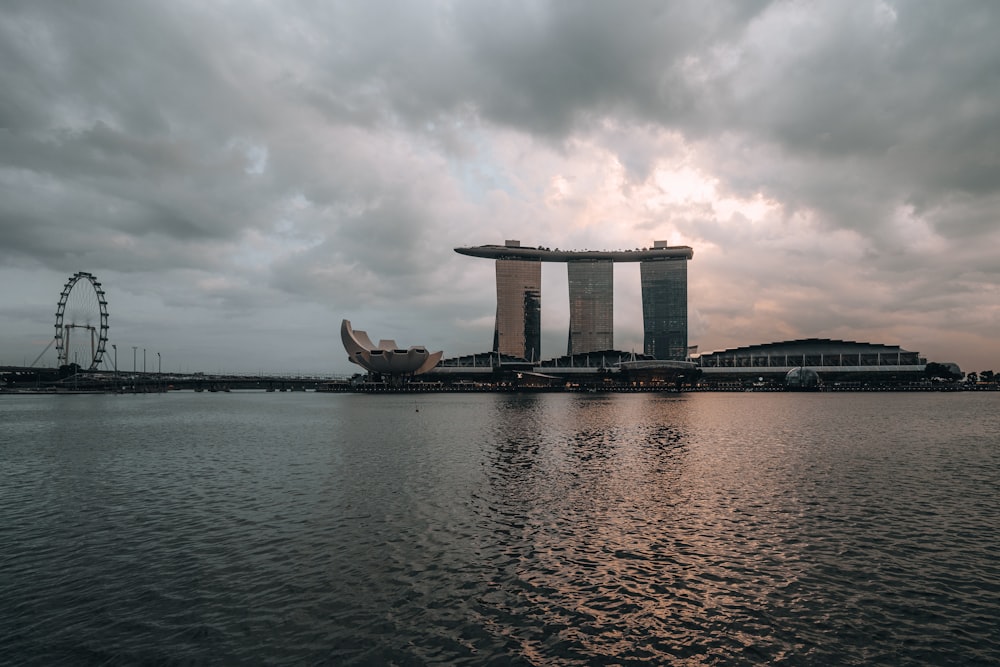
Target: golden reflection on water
(629,537)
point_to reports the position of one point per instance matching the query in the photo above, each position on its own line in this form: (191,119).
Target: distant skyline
(242,177)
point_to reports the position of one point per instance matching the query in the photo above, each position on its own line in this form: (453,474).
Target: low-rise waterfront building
(832,360)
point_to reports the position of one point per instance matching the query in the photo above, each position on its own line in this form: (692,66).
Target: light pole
(159,371)
(115,348)
(143,361)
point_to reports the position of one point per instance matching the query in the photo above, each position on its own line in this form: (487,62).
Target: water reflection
(505,529)
(592,485)
(639,528)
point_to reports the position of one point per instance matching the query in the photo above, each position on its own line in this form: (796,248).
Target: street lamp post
(134,348)
(159,371)
(115,348)
(144,361)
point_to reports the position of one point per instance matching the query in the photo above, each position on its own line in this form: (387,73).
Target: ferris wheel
(81,322)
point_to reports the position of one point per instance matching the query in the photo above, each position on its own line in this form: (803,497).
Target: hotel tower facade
(518,329)
(591,305)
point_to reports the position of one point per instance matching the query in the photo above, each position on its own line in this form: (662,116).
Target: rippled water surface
(500,529)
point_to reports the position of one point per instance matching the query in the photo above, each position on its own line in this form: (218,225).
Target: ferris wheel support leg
(42,353)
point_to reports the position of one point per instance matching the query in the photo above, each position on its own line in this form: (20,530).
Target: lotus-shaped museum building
(386,358)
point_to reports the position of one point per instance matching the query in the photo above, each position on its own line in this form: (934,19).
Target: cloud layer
(241,176)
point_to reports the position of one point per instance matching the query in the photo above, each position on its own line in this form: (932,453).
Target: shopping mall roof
(810,346)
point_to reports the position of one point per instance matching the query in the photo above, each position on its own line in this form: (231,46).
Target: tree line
(950,373)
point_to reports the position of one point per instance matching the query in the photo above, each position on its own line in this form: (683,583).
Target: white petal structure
(386,357)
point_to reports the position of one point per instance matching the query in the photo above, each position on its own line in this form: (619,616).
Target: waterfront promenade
(48,381)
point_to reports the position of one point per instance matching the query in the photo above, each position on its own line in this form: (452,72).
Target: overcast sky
(240,176)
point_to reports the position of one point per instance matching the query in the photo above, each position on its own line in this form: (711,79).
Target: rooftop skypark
(514,250)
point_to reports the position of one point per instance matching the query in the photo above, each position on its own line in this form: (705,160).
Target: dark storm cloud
(899,109)
(550,67)
(128,63)
(541,67)
(109,136)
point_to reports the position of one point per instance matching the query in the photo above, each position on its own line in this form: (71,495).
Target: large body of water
(500,529)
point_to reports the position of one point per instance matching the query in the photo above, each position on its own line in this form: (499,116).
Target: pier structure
(663,273)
